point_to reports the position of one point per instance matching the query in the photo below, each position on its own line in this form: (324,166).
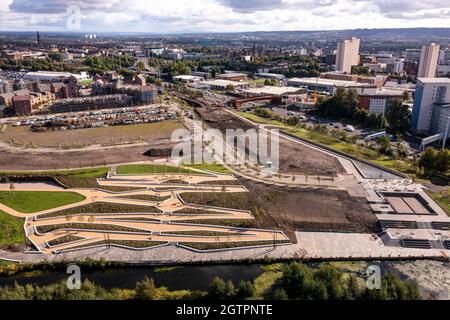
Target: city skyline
(173,16)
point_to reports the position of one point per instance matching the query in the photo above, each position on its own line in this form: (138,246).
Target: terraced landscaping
(101,207)
(64,239)
(228,245)
(140,217)
(85,226)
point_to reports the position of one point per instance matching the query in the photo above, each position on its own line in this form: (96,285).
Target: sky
(175,16)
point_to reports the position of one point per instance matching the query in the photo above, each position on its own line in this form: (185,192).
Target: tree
(217,289)
(230,290)
(426,161)
(145,289)
(385,146)
(398,115)
(298,281)
(280,294)
(292,121)
(245,289)
(442,161)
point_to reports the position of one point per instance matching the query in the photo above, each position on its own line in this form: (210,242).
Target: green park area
(80,173)
(149,168)
(157,168)
(34,201)
(11,230)
(442,198)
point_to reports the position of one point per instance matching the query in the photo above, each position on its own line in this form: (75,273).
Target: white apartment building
(431,101)
(428,61)
(347,55)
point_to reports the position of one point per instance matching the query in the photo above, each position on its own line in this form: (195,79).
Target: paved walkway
(311,245)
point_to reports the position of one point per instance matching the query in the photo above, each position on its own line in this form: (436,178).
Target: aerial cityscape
(222,151)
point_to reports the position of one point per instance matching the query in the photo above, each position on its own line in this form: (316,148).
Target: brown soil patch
(296,209)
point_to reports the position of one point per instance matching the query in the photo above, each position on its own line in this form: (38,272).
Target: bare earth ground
(49,161)
(155,135)
(319,209)
(297,209)
(84,137)
(294,158)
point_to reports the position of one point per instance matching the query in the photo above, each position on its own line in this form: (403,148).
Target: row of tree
(344,105)
(298,282)
(301,282)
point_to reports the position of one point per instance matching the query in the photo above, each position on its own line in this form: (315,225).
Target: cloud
(249,6)
(223,15)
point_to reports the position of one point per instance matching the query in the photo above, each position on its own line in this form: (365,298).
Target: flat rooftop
(408,203)
(434,80)
(330,82)
(272,90)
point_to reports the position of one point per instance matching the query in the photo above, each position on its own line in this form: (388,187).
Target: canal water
(174,278)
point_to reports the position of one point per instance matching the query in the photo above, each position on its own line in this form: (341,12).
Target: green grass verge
(81,173)
(149,168)
(442,199)
(11,229)
(265,281)
(258,119)
(215,167)
(34,201)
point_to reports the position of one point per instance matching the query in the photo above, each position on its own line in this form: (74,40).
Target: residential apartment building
(428,61)
(377,101)
(347,55)
(431,103)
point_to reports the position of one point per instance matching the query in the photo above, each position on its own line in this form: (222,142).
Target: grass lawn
(210,167)
(80,173)
(11,230)
(149,168)
(258,119)
(264,282)
(442,199)
(34,201)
